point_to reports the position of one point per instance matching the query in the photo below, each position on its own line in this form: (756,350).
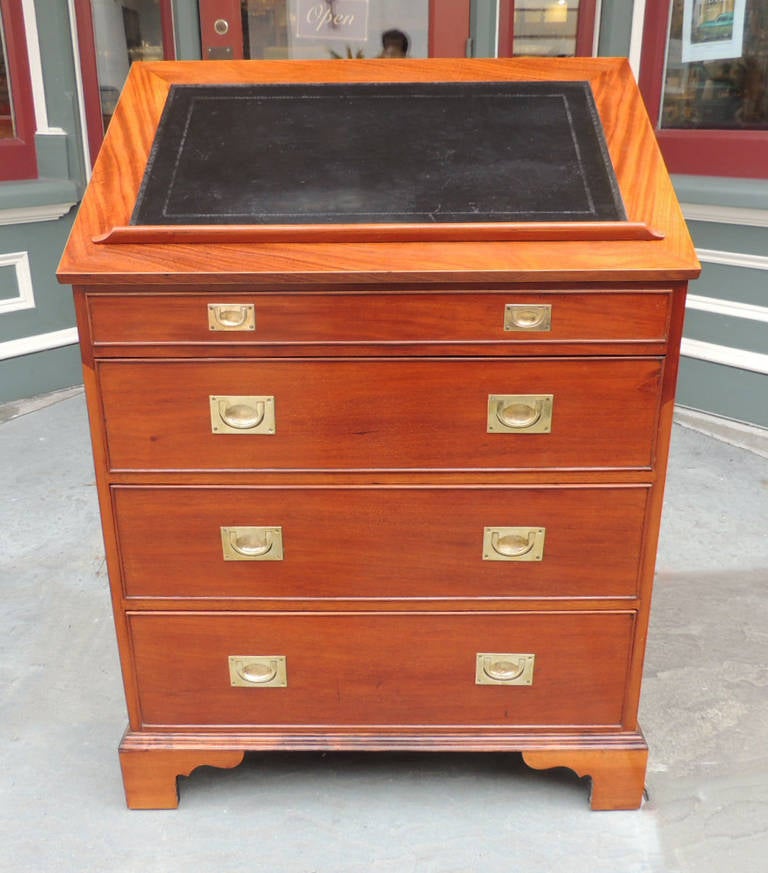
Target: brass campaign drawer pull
(520,413)
(494,668)
(528,316)
(513,543)
(231,316)
(252,543)
(258,671)
(242,414)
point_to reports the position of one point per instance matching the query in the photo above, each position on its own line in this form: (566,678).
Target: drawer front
(380,415)
(380,542)
(374,669)
(295,317)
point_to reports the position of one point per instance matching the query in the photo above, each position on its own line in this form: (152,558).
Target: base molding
(616,762)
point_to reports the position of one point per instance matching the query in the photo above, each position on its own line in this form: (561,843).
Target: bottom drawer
(382,669)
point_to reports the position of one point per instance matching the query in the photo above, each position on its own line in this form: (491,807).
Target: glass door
(546,28)
(112,34)
(328,29)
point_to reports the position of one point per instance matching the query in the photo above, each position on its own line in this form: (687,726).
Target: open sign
(332,19)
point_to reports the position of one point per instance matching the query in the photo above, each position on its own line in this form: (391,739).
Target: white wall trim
(25,299)
(36,69)
(43,342)
(32,214)
(729,357)
(733,259)
(79,89)
(596,34)
(636,36)
(725,214)
(730,308)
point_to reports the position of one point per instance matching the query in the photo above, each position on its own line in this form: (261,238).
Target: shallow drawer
(413,317)
(376,414)
(380,542)
(374,669)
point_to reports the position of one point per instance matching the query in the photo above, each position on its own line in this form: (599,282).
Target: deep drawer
(412,317)
(383,670)
(380,414)
(380,542)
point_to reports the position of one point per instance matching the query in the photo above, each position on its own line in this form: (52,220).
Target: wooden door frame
(18,159)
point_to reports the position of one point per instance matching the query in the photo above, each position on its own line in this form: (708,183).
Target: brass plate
(258,671)
(497,668)
(242,414)
(252,543)
(231,316)
(513,543)
(520,413)
(528,316)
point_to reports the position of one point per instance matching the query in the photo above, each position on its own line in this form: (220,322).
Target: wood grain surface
(375,669)
(383,543)
(381,357)
(644,184)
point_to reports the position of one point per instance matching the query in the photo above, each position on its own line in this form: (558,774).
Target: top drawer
(307,319)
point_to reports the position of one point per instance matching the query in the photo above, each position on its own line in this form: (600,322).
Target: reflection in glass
(331,28)
(123,32)
(712,88)
(7,126)
(545,28)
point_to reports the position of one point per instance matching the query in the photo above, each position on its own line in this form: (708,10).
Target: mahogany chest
(372,484)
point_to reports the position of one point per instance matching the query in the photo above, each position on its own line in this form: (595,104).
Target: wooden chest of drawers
(386,494)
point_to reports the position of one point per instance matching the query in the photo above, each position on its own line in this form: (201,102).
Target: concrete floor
(704,712)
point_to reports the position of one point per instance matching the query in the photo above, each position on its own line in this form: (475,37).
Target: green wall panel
(740,284)
(615,28)
(737,333)
(483,28)
(726,391)
(730,237)
(44,242)
(59,81)
(187,25)
(40,373)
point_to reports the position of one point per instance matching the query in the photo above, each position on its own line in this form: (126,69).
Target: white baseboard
(755,362)
(42,342)
(735,433)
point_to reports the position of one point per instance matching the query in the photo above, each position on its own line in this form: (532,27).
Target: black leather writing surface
(379,153)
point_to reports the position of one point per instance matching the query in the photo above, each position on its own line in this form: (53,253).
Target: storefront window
(7,126)
(334,28)
(716,74)
(545,29)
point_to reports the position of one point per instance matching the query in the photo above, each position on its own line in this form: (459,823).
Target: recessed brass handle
(504,671)
(513,543)
(519,413)
(528,316)
(247,547)
(242,414)
(258,671)
(231,316)
(493,668)
(252,543)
